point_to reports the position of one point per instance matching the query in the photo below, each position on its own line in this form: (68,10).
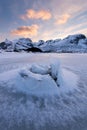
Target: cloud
(62,19)
(68,6)
(26,31)
(32,14)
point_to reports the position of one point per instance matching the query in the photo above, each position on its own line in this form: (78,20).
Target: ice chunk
(40,69)
(54,69)
(25,73)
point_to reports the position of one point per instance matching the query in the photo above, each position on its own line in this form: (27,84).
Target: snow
(21,110)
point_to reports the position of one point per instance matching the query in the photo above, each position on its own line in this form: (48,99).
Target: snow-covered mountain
(17,45)
(72,43)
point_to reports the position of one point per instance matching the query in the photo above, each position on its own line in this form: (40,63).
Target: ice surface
(21,111)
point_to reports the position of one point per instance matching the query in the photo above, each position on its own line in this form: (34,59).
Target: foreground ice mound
(37,83)
(39,80)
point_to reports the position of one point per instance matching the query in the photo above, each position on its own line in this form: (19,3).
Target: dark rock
(41,42)
(3,45)
(34,49)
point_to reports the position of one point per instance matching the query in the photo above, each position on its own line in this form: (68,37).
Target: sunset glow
(38,19)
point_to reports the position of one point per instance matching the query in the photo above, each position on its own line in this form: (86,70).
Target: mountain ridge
(71,43)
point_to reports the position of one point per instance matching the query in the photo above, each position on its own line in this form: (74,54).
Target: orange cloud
(32,14)
(25,31)
(62,19)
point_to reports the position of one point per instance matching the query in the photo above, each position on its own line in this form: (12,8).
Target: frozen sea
(19,111)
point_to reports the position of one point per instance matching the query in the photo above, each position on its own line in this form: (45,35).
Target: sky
(42,19)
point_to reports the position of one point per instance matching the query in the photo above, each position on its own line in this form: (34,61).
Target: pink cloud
(26,31)
(32,14)
(62,19)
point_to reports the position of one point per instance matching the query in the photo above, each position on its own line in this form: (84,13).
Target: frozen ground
(19,111)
